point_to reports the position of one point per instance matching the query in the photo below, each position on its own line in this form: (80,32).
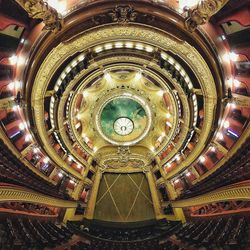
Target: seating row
(235,170)
(15,172)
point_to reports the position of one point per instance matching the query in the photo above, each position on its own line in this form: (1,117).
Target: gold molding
(200,14)
(21,194)
(114,32)
(39,9)
(233,192)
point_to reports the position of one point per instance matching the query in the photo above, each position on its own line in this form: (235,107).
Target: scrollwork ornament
(202,13)
(123,14)
(39,9)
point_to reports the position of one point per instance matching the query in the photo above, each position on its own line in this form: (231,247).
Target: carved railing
(15,193)
(39,9)
(202,12)
(232,192)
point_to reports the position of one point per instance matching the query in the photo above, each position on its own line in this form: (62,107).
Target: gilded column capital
(202,12)
(39,9)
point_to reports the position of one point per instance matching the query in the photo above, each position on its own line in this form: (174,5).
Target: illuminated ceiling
(124,86)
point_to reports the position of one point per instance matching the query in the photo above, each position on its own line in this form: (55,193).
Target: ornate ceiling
(124,87)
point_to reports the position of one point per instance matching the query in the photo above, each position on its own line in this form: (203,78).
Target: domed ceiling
(124,87)
(122,84)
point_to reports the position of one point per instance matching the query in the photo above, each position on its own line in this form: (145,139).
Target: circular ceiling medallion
(123,126)
(124,119)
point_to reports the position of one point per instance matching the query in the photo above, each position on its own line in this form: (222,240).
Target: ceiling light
(202,159)
(189,3)
(233,105)
(35,150)
(98,49)
(129,45)
(21,60)
(138,76)
(188,174)
(15,108)
(107,77)
(59,5)
(169,124)
(22,126)
(220,136)
(236,83)
(85,94)
(118,44)
(60,175)
(108,46)
(78,166)
(160,93)
(28,137)
(139,46)
(213,149)
(11,86)
(226,124)
(13,59)
(233,57)
(149,48)
(168,115)
(223,37)
(46,160)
